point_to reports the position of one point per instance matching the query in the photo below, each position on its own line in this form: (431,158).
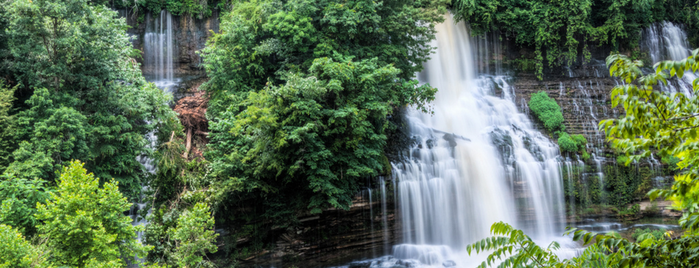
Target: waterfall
(667,41)
(476,160)
(158,49)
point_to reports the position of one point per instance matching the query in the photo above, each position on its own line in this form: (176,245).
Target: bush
(622,159)
(671,161)
(580,140)
(658,234)
(566,143)
(547,110)
(585,156)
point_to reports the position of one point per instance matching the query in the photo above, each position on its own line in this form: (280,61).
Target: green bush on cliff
(580,141)
(566,143)
(547,111)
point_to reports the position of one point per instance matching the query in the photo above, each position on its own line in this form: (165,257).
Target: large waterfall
(476,161)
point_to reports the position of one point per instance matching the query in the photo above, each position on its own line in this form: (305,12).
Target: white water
(159,51)
(667,41)
(451,190)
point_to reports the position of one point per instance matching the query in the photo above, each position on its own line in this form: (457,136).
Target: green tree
(18,199)
(85,223)
(301,93)
(659,121)
(88,100)
(17,252)
(7,125)
(194,236)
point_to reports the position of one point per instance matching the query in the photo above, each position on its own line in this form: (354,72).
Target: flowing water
(159,51)
(476,161)
(667,41)
(158,68)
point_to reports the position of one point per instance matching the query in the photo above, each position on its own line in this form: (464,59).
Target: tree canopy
(301,97)
(559,31)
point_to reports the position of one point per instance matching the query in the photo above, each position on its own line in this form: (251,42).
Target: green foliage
(84,223)
(331,125)
(301,96)
(16,252)
(559,31)
(87,98)
(7,125)
(671,161)
(566,143)
(547,111)
(193,8)
(515,249)
(18,199)
(631,211)
(580,140)
(657,234)
(659,121)
(195,237)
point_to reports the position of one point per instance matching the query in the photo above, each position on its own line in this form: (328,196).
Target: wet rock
(449,263)
(366,264)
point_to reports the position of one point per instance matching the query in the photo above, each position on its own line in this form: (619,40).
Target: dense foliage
(85,223)
(82,95)
(659,121)
(510,247)
(559,31)
(547,111)
(301,97)
(194,8)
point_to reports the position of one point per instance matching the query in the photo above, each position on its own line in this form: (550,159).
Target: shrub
(658,234)
(622,159)
(585,156)
(580,140)
(566,143)
(671,161)
(547,110)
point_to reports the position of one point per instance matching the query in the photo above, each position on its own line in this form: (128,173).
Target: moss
(547,111)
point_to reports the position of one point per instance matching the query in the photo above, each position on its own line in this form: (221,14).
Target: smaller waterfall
(384,216)
(158,46)
(667,41)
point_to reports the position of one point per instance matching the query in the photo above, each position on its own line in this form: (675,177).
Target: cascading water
(667,41)
(477,161)
(159,51)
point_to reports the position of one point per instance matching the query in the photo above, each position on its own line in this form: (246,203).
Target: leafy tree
(194,236)
(7,125)
(547,111)
(84,223)
(18,199)
(659,121)
(301,93)
(16,252)
(88,100)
